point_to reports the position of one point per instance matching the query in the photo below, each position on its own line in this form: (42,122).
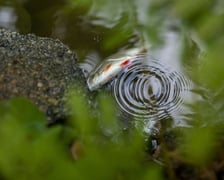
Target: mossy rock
(40,69)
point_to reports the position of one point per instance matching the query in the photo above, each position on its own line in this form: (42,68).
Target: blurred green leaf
(199,143)
(192,9)
(82,119)
(211,71)
(21,112)
(153,172)
(108,120)
(211,27)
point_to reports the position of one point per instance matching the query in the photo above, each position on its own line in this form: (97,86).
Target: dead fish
(111,66)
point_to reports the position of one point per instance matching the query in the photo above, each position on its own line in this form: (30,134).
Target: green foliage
(211,71)
(198,145)
(29,149)
(192,10)
(109,152)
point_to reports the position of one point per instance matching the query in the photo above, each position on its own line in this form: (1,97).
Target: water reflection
(8,17)
(14,17)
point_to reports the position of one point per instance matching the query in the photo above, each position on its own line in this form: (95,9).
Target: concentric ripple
(149,90)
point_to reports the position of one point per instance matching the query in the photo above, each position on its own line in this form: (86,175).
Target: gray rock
(40,69)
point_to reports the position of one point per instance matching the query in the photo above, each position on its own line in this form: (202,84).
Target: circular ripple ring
(149,90)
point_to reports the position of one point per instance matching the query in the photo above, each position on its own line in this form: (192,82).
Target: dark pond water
(98,29)
(83,25)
